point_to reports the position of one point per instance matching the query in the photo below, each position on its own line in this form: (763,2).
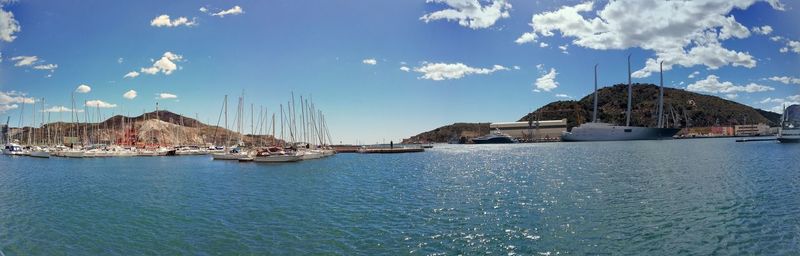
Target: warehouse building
(751,130)
(532,131)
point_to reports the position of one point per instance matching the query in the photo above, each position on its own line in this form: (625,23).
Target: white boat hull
(223,156)
(606,132)
(278,158)
(40,154)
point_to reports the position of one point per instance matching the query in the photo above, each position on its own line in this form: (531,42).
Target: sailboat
(278,153)
(790,125)
(598,131)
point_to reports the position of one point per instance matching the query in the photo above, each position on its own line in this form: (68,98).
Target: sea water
(678,197)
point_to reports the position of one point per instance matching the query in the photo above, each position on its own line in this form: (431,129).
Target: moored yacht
(790,125)
(495,137)
(598,131)
(13,149)
(278,155)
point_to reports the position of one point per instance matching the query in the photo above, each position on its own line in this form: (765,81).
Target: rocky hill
(682,109)
(162,128)
(458,131)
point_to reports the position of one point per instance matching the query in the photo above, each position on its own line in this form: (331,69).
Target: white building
(534,130)
(751,130)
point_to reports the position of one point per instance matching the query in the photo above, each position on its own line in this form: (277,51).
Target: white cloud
(526,38)
(731,96)
(236,10)
(4,108)
(685,33)
(57,109)
(547,82)
(24,60)
(83,89)
(776,38)
(444,71)
(404,68)
(784,50)
(164,21)
(165,65)
(539,66)
(785,79)
(561,95)
(8,25)
(516,67)
(763,30)
(164,96)
(543,45)
(564,48)
(50,67)
(470,13)
(100,104)
(792,45)
(370,61)
(712,85)
(694,74)
(203,9)
(120,60)
(133,74)
(129,95)
(15,97)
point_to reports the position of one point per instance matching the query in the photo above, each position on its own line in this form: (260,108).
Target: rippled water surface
(687,197)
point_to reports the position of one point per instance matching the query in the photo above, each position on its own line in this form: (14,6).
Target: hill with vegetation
(682,109)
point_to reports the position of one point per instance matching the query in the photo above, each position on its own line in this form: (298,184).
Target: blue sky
(465,60)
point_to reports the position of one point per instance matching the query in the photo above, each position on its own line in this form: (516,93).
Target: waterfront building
(533,130)
(751,130)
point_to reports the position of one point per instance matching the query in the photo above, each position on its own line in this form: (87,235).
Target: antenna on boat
(661,97)
(630,96)
(594,113)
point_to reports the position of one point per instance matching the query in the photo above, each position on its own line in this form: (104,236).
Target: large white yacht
(598,131)
(790,125)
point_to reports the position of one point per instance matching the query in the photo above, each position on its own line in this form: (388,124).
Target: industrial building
(532,131)
(751,130)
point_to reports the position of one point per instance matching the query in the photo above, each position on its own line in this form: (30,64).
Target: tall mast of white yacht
(630,94)
(33,126)
(594,112)
(661,97)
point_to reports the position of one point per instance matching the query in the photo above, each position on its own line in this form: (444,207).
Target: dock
(391,150)
(753,140)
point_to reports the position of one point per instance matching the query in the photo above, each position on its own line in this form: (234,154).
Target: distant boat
(278,155)
(13,149)
(790,125)
(597,131)
(39,152)
(495,137)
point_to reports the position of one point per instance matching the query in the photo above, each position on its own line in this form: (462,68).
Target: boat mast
(661,97)
(594,112)
(630,96)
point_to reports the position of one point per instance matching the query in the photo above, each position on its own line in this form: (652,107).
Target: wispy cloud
(370,61)
(165,96)
(470,13)
(712,85)
(129,94)
(100,104)
(236,10)
(83,89)
(444,71)
(164,21)
(131,74)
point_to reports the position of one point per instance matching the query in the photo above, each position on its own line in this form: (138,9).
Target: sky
(385,70)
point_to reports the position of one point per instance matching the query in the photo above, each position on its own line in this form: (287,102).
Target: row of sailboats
(306,141)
